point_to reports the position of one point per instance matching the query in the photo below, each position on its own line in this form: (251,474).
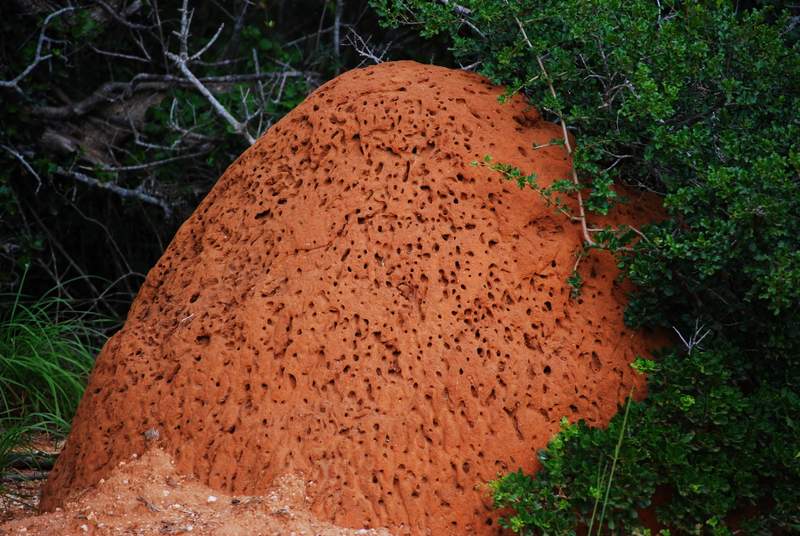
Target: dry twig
(119,190)
(363,49)
(182,61)
(38,56)
(16,154)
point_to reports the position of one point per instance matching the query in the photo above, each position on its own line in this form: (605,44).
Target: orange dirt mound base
(146,496)
(355,303)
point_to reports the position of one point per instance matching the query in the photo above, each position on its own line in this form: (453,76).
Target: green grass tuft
(47,350)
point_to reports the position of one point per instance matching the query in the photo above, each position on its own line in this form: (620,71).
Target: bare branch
(617,161)
(792,23)
(257,65)
(238,127)
(155,163)
(112,91)
(277,99)
(119,55)
(182,62)
(313,35)
(126,193)
(362,47)
(232,46)
(38,57)
(237,78)
(106,93)
(208,45)
(337,25)
(464,12)
(470,67)
(319,27)
(140,42)
(25,164)
(186,17)
(219,63)
(693,341)
(192,138)
(122,19)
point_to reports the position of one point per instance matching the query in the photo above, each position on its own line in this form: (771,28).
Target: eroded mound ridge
(355,303)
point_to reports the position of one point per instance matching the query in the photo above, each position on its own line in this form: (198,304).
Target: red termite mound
(357,304)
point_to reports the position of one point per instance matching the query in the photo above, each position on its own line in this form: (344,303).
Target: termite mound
(354,302)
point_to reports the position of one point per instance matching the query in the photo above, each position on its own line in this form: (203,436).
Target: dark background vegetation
(106,147)
(118,116)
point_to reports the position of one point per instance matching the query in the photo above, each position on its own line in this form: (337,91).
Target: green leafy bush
(706,444)
(698,102)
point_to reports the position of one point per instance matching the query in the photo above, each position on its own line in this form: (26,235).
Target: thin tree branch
(126,193)
(581,211)
(312,35)
(38,57)
(470,67)
(238,127)
(362,47)
(119,55)
(133,8)
(208,45)
(106,93)
(319,27)
(232,46)
(587,237)
(112,91)
(464,13)
(337,25)
(25,164)
(154,163)
(182,62)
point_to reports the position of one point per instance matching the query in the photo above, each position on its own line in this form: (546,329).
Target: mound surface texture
(355,303)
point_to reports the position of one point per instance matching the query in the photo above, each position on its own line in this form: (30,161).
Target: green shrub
(700,103)
(709,445)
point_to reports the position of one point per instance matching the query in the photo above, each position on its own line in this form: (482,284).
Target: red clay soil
(356,304)
(146,496)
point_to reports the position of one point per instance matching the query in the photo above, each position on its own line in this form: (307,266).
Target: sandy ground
(20,489)
(145,496)
(19,499)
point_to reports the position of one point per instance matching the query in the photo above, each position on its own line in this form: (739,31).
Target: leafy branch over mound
(697,102)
